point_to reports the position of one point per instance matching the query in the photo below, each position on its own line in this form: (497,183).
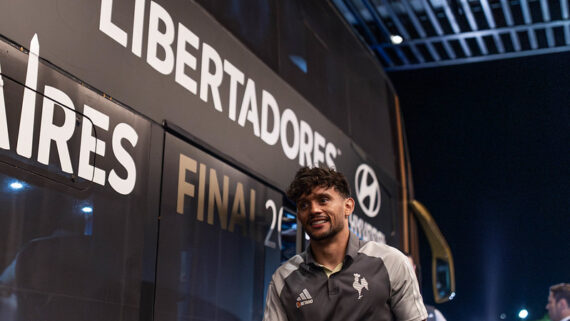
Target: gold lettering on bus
(184,188)
(218,197)
(252,205)
(217,200)
(201,190)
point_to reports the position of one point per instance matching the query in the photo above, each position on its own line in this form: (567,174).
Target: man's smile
(318,222)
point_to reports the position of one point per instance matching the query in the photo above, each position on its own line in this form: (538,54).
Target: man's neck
(331,252)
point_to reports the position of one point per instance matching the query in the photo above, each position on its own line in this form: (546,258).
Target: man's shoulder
(381,250)
(285,270)
(289,266)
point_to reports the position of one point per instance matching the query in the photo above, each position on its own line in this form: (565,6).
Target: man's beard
(332,232)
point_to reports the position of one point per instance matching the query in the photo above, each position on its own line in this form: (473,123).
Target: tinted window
(309,45)
(219,238)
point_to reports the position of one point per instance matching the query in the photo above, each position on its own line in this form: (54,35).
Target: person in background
(558,305)
(339,277)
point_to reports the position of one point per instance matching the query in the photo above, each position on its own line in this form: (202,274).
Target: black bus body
(145,147)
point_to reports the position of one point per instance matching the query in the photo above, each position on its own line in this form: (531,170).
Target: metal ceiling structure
(413,34)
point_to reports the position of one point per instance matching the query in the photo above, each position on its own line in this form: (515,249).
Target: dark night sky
(490,152)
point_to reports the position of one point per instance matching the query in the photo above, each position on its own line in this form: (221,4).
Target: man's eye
(324,199)
(302,206)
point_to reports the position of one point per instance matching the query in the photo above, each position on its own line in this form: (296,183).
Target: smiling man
(339,277)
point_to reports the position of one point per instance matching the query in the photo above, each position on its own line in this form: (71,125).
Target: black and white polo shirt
(376,282)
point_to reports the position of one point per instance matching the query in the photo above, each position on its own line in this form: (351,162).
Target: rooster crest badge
(358,284)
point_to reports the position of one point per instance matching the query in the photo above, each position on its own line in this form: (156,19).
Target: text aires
(61,134)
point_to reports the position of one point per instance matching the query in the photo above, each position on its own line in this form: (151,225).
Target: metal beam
(510,22)
(415,18)
(437,27)
(473,24)
(546,18)
(488,14)
(545,10)
(492,25)
(367,32)
(360,21)
(483,58)
(420,30)
(455,27)
(384,30)
(374,14)
(507,12)
(564,8)
(384,55)
(565,16)
(526,12)
(489,32)
(528,20)
(515,40)
(401,29)
(469,14)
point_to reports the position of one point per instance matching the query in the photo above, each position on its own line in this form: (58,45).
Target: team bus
(145,147)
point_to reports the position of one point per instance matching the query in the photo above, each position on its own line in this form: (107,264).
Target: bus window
(64,253)
(288,235)
(443,279)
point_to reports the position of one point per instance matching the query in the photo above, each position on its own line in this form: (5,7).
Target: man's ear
(562,304)
(348,206)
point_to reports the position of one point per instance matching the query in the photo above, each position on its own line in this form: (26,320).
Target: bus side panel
(71,242)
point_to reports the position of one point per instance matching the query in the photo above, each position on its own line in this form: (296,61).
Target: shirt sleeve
(438,315)
(405,299)
(273,307)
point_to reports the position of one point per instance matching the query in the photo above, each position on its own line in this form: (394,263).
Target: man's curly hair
(307,179)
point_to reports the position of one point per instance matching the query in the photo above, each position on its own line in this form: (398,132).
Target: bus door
(222,233)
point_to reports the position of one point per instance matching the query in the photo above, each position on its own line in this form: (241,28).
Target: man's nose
(315,207)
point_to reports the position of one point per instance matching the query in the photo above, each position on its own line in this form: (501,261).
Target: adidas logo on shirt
(304,298)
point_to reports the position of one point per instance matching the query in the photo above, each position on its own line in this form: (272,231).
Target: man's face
(323,212)
(553,312)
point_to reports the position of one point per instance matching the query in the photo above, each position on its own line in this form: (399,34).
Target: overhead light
(523,313)
(87,209)
(16,185)
(396,39)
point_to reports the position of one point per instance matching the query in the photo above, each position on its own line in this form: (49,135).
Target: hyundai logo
(367,190)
